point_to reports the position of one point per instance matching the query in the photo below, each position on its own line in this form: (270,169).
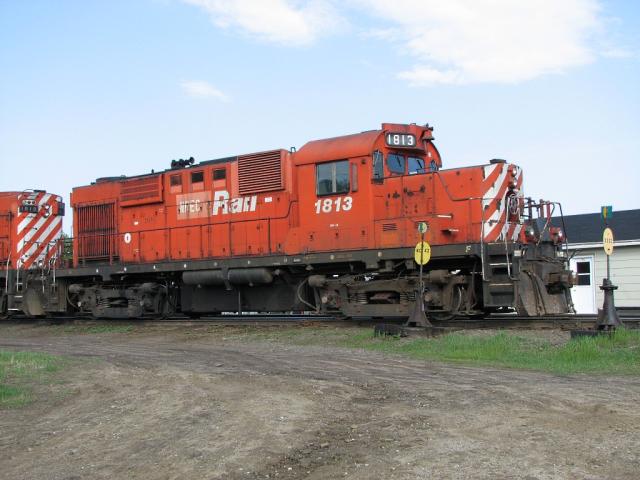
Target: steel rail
(495,321)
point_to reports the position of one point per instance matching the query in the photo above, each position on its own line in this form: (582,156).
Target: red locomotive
(331,228)
(30,232)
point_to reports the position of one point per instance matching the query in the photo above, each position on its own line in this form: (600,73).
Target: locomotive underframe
(462,279)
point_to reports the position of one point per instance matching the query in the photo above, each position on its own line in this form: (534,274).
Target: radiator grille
(140,191)
(97,232)
(260,172)
(389,227)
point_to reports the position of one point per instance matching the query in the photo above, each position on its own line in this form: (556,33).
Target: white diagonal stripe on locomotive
(49,235)
(32,196)
(36,223)
(29,217)
(41,233)
(45,248)
(25,224)
(23,219)
(511,229)
(31,246)
(495,192)
(492,191)
(495,231)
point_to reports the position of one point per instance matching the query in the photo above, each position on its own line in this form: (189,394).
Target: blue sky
(96,88)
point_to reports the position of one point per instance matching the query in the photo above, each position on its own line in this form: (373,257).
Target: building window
(583,272)
(332,178)
(395,163)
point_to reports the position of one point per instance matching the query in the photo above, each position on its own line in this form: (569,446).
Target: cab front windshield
(400,164)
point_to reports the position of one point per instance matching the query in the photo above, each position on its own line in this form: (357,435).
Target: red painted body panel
(268,203)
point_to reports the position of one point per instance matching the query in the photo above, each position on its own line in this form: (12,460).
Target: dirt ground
(171,404)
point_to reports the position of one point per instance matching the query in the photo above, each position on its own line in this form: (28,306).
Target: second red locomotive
(330,227)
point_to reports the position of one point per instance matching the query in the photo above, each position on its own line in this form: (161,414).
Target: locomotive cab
(371,190)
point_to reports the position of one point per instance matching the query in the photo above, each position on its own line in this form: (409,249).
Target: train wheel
(455,311)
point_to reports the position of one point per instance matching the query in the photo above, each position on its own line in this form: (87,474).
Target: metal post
(418,317)
(608,319)
(421,269)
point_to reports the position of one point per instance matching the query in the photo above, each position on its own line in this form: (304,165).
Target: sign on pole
(606,212)
(423,227)
(422,253)
(607,241)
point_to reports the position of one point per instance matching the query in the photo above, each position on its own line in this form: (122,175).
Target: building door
(584,292)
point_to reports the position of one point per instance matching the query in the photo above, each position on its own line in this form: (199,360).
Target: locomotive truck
(328,228)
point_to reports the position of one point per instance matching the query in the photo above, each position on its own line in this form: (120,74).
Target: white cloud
(452,41)
(501,41)
(202,89)
(286,22)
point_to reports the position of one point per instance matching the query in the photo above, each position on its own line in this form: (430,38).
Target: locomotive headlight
(530,233)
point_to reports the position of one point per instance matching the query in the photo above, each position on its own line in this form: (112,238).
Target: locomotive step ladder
(498,275)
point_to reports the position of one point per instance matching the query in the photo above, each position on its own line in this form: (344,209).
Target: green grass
(615,354)
(20,371)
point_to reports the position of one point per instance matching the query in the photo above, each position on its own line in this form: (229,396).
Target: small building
(589,262)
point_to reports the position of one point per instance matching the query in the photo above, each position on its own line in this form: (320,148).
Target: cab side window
(415,165)
(332,178)
(378,166)
(395,163)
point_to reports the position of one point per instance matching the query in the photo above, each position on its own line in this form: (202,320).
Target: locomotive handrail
(564,232)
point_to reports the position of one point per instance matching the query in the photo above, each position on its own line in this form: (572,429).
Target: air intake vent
(389,227)
(140,191)
(260,172)
(97,232)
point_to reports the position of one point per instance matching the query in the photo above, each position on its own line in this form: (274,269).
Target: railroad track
(630,317)
(565,322)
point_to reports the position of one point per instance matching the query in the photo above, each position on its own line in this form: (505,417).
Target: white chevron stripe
(488,169)
(56,224)
(22,225)
(33,231)
(489,196)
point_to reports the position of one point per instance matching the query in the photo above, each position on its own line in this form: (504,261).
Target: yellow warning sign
(607,241)
(422,253)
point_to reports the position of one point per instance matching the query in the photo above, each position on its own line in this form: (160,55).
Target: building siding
(625,273)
